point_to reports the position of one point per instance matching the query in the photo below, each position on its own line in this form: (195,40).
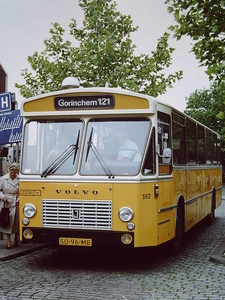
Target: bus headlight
(126,214)
(130,226)
(25,221)
(29,210)
(126,238)
(28,234)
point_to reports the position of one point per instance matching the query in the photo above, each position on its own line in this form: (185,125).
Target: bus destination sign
(84,102)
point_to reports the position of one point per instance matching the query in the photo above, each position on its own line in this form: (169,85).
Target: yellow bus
(105,167)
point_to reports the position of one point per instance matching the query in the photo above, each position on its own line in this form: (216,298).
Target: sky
(24,24)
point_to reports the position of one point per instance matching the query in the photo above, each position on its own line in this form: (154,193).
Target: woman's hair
(13,166)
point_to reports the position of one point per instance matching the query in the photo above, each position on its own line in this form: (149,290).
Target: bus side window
(179,140)
(191,142)
(201,144)
(208,147)
(149,165)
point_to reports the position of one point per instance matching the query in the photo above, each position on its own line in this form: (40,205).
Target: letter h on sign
(5,102)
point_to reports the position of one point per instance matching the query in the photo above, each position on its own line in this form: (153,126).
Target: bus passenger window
(191,142)
(208,147)
(179,145)
(214,152)
(201,144)
(218,150)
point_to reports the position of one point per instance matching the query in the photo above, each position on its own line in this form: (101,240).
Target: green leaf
(204,22)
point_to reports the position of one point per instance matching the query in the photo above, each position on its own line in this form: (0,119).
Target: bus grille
(77,214)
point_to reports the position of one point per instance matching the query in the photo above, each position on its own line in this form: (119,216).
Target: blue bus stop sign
(5,102)
(11,124)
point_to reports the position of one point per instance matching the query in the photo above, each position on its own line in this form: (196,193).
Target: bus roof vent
(70,83)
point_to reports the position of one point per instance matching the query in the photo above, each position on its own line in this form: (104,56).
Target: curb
(219,255)
(21,250)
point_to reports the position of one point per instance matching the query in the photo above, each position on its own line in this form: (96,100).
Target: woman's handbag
(4,216)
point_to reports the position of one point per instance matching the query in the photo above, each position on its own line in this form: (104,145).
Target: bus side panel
(219,194)
(192,207)
(206,199)
(196,188)
(154,217)
(212,180)
(166,211)
(217,183)
(179,184)
(187,185)
(199,191)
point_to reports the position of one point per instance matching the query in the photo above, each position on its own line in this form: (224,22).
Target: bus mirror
(166,157)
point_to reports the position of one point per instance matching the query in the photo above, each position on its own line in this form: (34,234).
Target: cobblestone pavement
(146,274)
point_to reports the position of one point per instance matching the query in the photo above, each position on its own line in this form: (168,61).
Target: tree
(204,22)
(105,54)
(50,67)
(206,106)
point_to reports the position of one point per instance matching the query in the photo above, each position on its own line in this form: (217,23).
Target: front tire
(175,244)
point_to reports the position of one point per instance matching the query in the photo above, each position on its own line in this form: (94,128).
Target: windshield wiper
(76,147)
(56,164)
(89,144)
(98,156)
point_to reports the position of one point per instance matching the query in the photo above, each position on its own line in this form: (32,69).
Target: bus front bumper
(58,237)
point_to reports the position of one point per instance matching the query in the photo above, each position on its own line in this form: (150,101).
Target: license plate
(75,242)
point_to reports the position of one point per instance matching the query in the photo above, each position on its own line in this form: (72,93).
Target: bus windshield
(51,147)
(114,146)
(111,147)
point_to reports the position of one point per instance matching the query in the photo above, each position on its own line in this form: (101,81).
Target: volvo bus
(106,167)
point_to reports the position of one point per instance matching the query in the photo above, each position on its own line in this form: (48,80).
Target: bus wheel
(175,244)
(211,216)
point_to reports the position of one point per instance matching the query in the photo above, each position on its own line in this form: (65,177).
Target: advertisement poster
(11,124)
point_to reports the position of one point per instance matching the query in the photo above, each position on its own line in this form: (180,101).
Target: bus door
(164,144)
(165,180)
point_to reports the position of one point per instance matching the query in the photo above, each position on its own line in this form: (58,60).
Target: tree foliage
(105,54)
(204,22)
(207,107)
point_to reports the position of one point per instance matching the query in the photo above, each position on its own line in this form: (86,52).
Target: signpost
(10,130)
(5,102)
(10,121)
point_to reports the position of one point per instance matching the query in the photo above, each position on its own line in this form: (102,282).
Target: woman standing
(9,193)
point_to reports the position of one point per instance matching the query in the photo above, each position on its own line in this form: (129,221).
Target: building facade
(3,77)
